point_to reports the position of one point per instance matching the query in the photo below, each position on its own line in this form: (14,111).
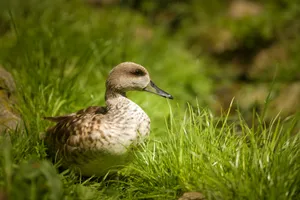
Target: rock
(213,39)
(265,62)
(251,95)
(223,41)
(287,102)
(241,8)
(192,196)
(284,98)
(3,195)
(6,81)
(9,119)
(224,94)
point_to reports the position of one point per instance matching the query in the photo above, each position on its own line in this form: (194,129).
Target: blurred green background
(204,53)
(210,50)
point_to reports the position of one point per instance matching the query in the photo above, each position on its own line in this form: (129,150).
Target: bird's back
(71,131)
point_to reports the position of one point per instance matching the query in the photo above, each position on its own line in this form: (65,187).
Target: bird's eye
(138,72)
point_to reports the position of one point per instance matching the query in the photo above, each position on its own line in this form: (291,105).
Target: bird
(100,139)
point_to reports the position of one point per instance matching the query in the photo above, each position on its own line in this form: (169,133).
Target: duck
(100,139)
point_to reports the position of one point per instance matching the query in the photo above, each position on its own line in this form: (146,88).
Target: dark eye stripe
(138,72)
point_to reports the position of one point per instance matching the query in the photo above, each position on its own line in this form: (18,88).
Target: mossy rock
(9,119)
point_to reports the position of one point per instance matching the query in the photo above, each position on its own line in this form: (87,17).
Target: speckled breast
(126,124)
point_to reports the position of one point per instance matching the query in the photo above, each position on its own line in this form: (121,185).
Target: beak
(151,87)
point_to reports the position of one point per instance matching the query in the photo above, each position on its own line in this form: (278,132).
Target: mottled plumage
(97,139)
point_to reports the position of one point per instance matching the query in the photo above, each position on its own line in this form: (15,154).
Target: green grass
(60,53)
(195,152)
(223,160)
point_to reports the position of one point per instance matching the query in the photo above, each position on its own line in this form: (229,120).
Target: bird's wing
(93,110)
(88,110)
(67,126)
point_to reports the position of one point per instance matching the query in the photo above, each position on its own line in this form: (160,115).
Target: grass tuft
(234,162)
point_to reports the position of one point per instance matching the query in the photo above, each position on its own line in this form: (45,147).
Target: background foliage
(204,53)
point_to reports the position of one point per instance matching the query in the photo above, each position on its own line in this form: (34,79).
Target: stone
(9,119)
(3,195)
(250,95)
(6,81)
(192,196)
(287,102)
(265,62)
(241,8)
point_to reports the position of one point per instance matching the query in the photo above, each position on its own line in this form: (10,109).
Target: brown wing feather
(59,118)
(93,109)
(57,136)
(89,110)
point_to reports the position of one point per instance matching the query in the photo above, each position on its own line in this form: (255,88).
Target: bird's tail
(57,119)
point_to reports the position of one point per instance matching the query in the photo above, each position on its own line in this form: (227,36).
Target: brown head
(129,76)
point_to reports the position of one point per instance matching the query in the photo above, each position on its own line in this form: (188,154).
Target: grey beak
(151,87)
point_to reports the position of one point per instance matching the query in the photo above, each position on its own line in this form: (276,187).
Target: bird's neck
(113,97)
(112,92)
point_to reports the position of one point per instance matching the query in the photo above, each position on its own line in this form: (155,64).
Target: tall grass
(220,159)
(196,152)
